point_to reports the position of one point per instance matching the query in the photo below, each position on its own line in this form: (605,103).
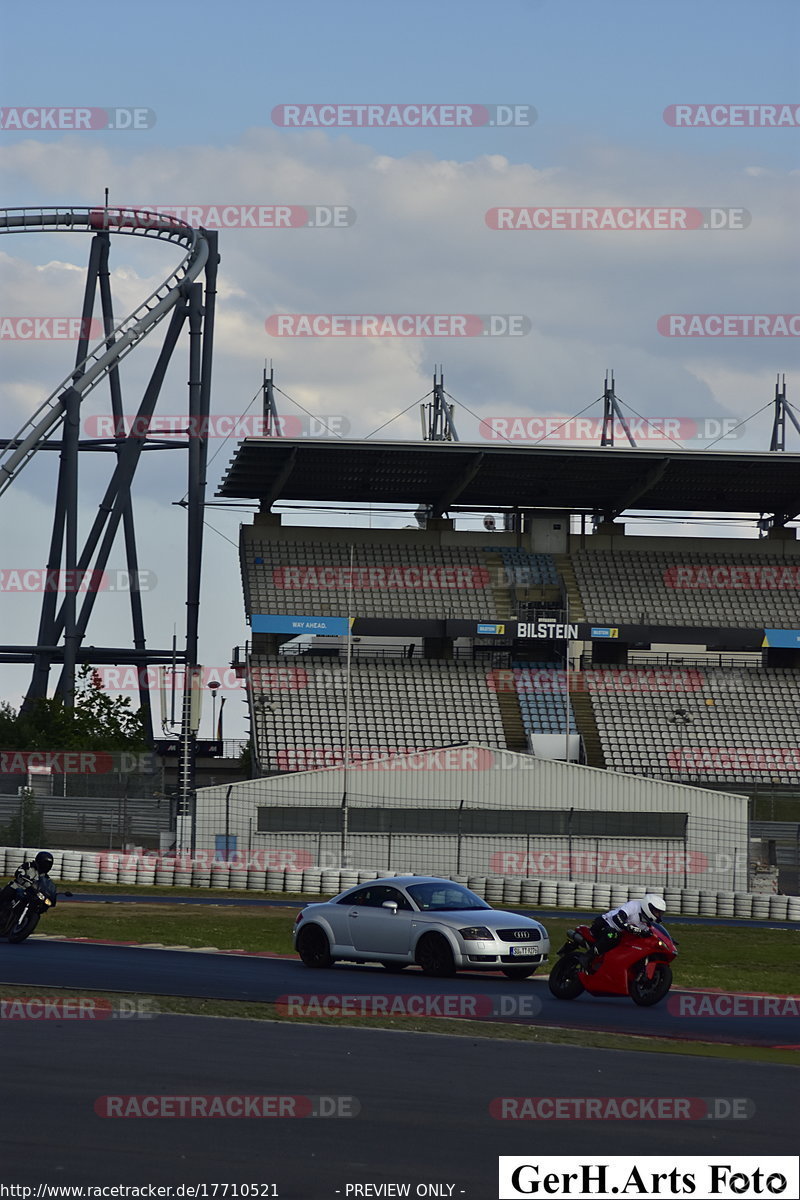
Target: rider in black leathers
(35,873)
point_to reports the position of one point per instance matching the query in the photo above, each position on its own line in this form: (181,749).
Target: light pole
(212,687)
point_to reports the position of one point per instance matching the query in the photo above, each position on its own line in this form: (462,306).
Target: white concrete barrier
(511,891)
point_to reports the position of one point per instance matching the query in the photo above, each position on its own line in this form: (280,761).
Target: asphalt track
(39,962)
(423,1105)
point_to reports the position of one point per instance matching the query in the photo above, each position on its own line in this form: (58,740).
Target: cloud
(420,244)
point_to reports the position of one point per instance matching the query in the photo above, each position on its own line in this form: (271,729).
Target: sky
(566,116)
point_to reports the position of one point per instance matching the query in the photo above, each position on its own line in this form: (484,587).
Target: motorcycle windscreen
(47,887)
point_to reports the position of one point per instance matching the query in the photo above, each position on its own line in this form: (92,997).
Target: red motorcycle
(637,966)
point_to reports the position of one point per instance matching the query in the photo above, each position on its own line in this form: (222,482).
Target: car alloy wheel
(313,947)
(435,957)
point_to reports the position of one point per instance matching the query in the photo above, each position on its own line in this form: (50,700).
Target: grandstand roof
(448,475)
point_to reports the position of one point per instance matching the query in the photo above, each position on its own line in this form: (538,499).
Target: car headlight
(476,933)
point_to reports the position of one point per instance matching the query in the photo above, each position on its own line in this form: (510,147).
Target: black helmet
(43,862)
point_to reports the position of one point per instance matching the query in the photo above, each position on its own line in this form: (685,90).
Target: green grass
(227,928)
(729,958)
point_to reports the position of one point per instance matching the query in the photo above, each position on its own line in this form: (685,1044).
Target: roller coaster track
(114,347)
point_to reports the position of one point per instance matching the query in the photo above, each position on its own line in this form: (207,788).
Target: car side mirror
(390,904)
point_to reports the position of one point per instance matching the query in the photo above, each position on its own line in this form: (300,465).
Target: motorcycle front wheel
(24,927)
(563,980)
(644,991)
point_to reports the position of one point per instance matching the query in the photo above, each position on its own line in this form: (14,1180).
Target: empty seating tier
(380,580)
(391,706)
(716,726)
(654,587)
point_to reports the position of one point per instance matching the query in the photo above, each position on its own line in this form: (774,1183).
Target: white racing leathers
(630,915)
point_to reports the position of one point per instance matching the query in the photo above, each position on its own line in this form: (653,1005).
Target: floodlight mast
(438,424)
(612,412)
(782,410)
(272,420)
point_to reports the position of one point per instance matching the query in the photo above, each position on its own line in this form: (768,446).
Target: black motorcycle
(33,897)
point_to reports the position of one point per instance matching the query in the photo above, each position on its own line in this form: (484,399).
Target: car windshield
(444,897)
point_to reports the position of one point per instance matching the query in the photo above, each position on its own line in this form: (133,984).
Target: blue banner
(268,623)
(788,639)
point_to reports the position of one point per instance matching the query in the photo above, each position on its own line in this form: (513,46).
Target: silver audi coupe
(441,926)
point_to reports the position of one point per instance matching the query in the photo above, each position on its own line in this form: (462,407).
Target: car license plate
(525,949)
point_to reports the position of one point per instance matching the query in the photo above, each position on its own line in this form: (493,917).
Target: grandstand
(379,707)
(732,725)
(527,638)
(741,588)
(309,575)
(739,725)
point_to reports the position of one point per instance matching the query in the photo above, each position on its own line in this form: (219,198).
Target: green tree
(26,827)
(97,722)
(246,757)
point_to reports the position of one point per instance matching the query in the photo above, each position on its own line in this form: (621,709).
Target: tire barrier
(120,867)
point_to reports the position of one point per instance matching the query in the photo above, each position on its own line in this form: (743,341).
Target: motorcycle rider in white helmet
(636,916)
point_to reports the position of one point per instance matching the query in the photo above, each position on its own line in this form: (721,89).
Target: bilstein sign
(547,630)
